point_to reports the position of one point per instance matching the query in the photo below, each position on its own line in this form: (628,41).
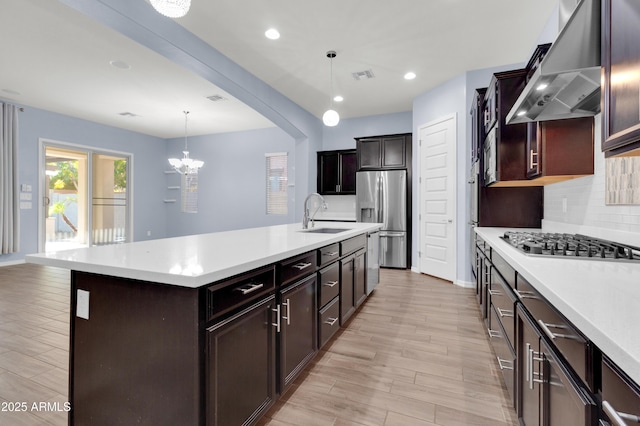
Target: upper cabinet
(384,152)
(337,172)
(620,77)
(477,124)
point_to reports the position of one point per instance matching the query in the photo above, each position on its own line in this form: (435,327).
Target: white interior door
(437,156)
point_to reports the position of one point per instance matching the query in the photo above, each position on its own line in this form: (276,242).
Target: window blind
(277,201)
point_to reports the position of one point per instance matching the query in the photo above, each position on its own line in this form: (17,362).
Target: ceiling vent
(363,75)
(216,98)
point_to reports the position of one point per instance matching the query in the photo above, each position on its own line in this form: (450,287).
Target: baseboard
(13,262)
(465,284)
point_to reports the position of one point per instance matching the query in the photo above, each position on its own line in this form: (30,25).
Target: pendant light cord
(186,113)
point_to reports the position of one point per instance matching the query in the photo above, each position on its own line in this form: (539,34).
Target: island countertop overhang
(197,260)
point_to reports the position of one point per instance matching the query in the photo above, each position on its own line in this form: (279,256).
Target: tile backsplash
(581,202)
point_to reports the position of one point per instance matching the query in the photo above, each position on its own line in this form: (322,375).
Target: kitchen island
(204,329)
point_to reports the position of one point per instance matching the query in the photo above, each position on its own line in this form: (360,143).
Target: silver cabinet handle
(331,321)
(277,323)
(331,253)
(493,333)
(546,328)
(532,356)
(330,283)
(505,364)
(616,417)
(494,293)
(300,266)
(288,317)
(531,155)
(525,294)
(505,313)
(249,288)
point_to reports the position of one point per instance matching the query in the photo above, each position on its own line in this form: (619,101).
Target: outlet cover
(82,304)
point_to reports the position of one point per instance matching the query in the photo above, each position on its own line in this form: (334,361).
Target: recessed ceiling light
(542,86)
(272,34)
(521,113)
(410,75)
(338,98)
(122,65)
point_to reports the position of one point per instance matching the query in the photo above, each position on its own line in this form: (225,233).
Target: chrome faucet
(306,218)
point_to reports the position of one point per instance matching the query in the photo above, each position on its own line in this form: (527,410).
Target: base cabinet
(241,366)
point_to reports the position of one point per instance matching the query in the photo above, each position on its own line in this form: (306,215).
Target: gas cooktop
(571,245)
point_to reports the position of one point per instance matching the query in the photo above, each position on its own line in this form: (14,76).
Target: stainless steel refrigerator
(381,196)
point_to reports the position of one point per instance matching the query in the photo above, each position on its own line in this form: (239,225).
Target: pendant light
(331,117)
(186,165)
(171,8)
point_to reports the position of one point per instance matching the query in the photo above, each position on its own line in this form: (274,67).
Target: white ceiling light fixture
(410,75)
(331,118)
(171,8)
(186,165)
(338,98)
(272,34)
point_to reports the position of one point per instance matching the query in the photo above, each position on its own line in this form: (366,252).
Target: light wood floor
(416,353)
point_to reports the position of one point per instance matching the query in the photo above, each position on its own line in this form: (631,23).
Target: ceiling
(62,58)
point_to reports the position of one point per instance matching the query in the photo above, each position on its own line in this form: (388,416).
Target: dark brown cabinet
(352,276)
(384,152)
(241,366)
(347,301)
(359,284)
(620,101)
(559,150)
(477,124)
(620,395)
(298,338)
(337,172)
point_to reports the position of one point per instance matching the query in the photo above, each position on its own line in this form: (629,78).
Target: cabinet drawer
(328,254)
(505,355)
(353,244)
(297,267)
(503,301)
(619,393)
(328,321)
(569,342)
(329,279)
(229,294)
(506,270)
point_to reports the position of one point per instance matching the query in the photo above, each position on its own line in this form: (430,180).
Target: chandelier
(171,8)
(186,165)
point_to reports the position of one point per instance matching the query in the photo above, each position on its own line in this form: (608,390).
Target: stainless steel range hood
(567,82)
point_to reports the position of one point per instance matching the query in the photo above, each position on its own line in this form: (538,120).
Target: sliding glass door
(85,197)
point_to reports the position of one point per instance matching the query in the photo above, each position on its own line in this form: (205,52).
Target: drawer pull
(525,294)
(331,321)
(249,288)
(331,253)
(546,328)
(494,333)
(505,364)
(277,323)
(494,293)
(330,283)
(532,356)
(300,266)
(288,317)
(616,417)
(505,313)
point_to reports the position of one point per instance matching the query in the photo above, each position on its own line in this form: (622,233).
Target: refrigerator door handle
(384,234)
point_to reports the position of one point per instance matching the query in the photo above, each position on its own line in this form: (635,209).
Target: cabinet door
(359,285)
(369,153)
(393,152)
(348,173)
(328,172)
(347,305)
(620,60)
(299,329)
(529,370)
(241,366)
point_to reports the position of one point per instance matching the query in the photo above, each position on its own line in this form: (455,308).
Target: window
(277,183)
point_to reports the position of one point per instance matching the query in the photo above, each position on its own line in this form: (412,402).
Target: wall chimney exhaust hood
(567,82)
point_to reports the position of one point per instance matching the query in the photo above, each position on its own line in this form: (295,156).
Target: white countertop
(196,260)
(601,298)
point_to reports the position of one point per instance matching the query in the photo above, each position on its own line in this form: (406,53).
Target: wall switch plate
(564,204)
(82,304)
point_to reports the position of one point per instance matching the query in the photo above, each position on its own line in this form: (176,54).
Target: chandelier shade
(171,8)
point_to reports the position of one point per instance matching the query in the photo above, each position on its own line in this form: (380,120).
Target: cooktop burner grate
(571,245)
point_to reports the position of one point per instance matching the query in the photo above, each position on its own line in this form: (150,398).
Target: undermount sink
(325,230)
